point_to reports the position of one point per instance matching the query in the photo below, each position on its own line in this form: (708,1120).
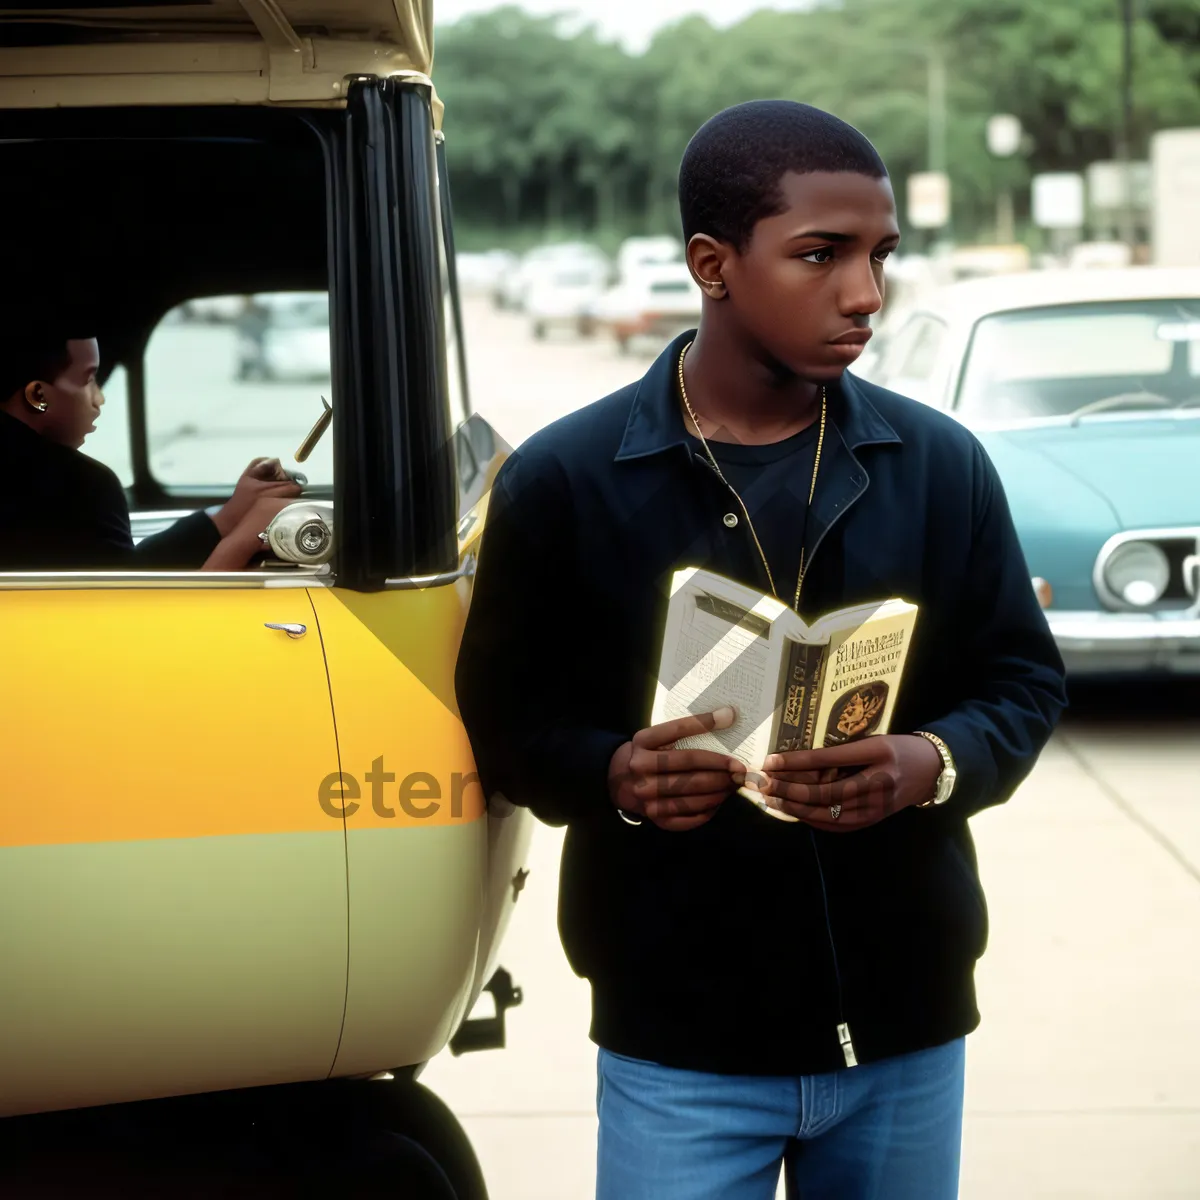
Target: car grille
(1182,549)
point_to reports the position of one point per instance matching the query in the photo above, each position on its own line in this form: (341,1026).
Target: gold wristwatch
(949,775)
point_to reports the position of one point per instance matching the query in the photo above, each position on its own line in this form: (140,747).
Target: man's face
(810,279)
(73,400)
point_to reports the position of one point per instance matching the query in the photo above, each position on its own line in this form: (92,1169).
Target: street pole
(936,83)
(1125,137)
(937,109)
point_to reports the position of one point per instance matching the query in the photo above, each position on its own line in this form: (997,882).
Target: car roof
(970,299)
(401,21)
(172,52)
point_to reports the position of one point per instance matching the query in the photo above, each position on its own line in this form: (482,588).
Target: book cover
(794,686)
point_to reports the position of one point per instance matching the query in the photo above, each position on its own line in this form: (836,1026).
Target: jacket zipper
(845,1040)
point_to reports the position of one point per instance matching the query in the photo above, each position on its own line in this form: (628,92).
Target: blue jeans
(889,1130)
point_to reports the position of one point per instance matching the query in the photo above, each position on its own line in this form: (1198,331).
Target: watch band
(949,774)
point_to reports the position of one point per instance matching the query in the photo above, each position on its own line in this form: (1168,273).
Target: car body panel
(167,966)
(429,867)
(1044,512)
(1075,483)
(1145,467)
(182,910)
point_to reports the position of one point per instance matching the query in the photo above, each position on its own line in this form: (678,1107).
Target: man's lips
(852,337)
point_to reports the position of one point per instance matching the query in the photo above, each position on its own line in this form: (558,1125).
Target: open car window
(230,378)
(110,442)
(197,274)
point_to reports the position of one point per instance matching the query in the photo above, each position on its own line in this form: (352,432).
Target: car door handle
(293,631)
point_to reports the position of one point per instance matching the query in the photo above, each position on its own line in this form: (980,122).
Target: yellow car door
(175,896)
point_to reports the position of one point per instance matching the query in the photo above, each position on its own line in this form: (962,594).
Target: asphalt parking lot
(1084,1080)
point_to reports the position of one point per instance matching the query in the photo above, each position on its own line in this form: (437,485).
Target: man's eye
(816,255)
(882,254)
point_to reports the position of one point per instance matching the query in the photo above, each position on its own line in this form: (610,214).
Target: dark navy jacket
(741,946)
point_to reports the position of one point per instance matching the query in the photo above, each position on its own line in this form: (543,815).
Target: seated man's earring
(716,289)
(40,403)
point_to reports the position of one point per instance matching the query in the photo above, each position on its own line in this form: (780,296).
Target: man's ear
(706,258)
(35,396)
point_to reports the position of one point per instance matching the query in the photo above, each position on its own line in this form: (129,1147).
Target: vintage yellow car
(243,852)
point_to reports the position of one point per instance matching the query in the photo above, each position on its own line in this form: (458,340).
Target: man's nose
(861,293)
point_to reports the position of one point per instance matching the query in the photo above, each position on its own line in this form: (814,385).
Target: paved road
(1084,1080)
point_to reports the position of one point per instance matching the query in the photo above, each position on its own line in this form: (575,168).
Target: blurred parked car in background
(638,252)
(482,274)
(563,299)
(1084,386)
(513,289)
(656,302)
(284,336)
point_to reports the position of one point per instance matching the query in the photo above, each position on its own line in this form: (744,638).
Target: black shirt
(61,510)
(773,481)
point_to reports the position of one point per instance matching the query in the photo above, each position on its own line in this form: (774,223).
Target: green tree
(553,127)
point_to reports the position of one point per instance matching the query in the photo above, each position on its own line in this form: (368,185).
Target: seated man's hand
(264,477)
(676,789)
(235,551)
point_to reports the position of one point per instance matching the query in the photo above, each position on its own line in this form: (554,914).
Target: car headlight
(1138,572)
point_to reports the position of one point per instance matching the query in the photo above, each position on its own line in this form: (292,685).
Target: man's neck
(14,411)
(739,397)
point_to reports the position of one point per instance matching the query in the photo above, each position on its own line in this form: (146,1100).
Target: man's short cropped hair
(732,168)
(36,322)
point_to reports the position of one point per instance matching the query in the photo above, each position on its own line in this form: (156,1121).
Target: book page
(717,652)
(862,674)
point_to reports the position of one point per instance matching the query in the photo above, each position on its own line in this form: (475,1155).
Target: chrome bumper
(1117,643)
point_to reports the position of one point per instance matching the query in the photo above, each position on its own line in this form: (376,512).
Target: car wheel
(358,1139)
(407,1142)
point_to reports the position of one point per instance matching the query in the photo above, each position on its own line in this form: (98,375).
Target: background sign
(928,200)
(1058,200)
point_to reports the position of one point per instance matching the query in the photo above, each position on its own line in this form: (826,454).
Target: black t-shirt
(773,481)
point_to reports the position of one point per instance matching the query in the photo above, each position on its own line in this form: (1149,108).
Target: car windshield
(1054,361)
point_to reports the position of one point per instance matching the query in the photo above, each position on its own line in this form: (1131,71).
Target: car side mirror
(302,533)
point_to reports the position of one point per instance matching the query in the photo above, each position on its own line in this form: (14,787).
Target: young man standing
(764,992)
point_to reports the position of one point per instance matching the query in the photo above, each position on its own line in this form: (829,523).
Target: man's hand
(264,477)
(676,789)
(235,551)
(887,773)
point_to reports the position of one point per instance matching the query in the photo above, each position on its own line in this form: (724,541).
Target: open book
(794,686)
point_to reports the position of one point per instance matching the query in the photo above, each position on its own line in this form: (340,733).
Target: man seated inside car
(61,510)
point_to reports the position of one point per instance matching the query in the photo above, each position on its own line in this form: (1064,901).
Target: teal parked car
(1084,386)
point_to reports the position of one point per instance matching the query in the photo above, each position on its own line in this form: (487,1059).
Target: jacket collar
(655,424)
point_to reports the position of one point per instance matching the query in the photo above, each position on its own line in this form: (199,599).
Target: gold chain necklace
(811,490)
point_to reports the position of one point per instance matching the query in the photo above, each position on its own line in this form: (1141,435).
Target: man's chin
(822,372)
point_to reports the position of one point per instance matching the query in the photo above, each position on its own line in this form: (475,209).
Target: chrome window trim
(68,580)
(1172,533)
(320,576)
(464,570)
